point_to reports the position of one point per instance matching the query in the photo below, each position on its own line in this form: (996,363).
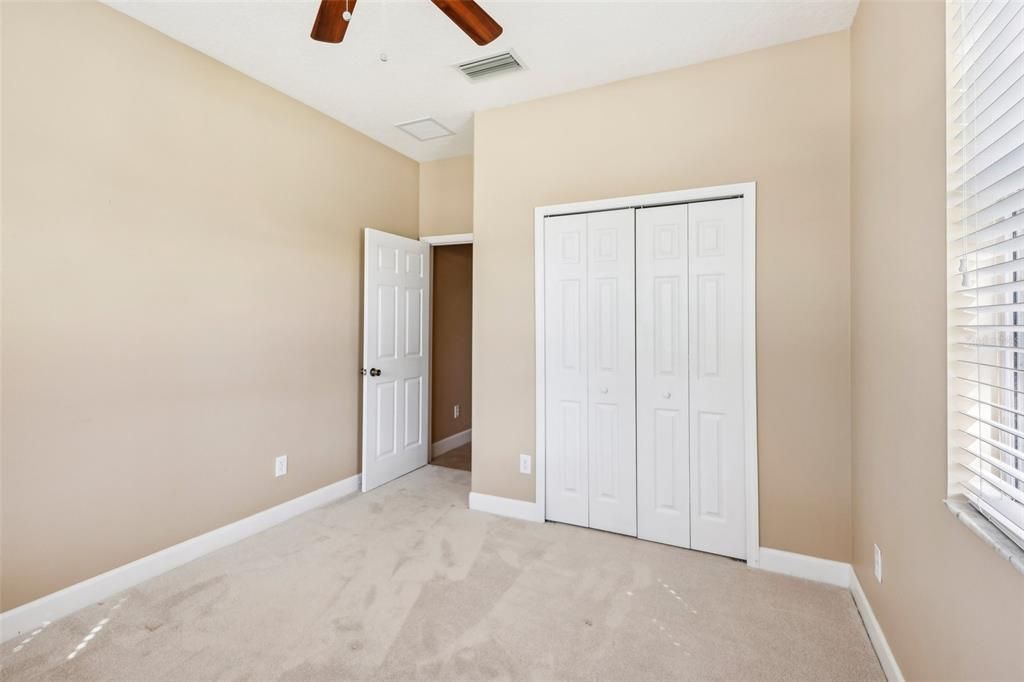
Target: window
(985,165)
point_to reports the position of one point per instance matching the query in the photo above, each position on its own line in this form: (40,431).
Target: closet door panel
(566,354)
(662,366)
(717,467)
(612,378)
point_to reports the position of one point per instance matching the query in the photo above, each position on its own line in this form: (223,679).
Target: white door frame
(448,239)
(748,192)
(433,241)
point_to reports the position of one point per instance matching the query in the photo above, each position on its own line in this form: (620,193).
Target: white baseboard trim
(885,656)
(842,575)
(30,616)
(505,506)
(451,442)
(803,566)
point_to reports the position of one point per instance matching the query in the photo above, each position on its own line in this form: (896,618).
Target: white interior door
(611,334)
(663,367)
(717,467)
(566,388)
(396,356)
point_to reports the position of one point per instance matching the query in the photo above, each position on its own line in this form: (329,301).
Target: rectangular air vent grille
(489,66)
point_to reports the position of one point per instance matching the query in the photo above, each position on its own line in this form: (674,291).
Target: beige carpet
(406,583)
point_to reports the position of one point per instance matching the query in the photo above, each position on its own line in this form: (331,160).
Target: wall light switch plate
(878,564)
(456,412)
(525,464)
(281,465)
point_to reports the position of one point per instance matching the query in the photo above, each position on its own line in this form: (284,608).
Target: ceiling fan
(333,18)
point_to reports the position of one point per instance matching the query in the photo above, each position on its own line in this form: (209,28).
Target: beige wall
(949,606)
(452,343)
(446,196)
(778,116)
(181,281)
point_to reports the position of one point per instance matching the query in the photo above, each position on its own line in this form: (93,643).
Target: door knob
(374,372)
(604,389)
(666,394)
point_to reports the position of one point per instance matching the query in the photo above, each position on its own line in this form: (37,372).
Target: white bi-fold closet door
(690,427)
(644,373)
(591,383)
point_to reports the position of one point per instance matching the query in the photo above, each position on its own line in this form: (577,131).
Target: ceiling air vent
(490,66)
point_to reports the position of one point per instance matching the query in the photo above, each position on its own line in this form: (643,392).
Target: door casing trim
(448,239)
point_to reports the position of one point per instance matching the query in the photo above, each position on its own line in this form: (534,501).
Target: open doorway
(451,409)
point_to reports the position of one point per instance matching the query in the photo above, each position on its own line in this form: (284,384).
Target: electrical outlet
(525,464)
(456,412)
(878,564)
(281,465)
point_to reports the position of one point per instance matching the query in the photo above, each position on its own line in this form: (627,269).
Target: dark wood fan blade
(472,19)
(330,25)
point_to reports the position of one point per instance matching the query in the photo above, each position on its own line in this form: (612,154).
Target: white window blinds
(985,163)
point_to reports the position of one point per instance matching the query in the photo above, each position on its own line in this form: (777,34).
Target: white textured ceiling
(564,45)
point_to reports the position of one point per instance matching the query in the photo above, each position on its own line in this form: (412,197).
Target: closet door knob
(666,394)
(604,389)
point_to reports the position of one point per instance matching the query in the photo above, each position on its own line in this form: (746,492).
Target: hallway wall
(452,347)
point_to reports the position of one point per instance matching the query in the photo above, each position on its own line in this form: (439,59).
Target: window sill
(986,530)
